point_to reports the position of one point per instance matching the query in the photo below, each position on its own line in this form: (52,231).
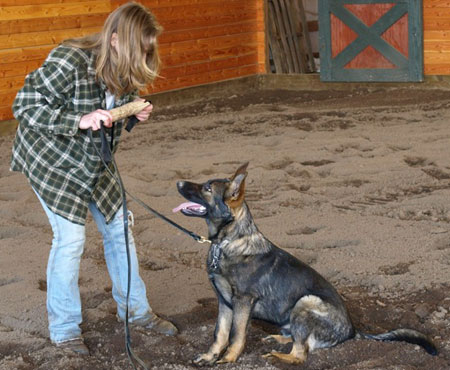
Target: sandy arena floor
(357,184)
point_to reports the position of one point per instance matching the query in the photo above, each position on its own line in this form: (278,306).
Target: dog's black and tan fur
(253,278)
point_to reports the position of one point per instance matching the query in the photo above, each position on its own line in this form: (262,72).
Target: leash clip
(203,240)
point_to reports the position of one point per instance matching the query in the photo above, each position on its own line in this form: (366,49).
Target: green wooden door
(370,40)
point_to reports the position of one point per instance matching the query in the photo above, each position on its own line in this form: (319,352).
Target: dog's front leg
(242,308)
(221,336)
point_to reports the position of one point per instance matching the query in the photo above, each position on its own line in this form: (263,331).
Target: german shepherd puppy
(253,278)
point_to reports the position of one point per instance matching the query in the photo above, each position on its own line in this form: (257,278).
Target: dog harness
(213,267)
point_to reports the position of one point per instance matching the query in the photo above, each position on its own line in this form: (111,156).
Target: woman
(71,92)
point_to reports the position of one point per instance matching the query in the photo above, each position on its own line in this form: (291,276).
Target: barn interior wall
(203,40)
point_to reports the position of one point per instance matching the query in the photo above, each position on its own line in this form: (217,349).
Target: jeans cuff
(139,320)
(66,340)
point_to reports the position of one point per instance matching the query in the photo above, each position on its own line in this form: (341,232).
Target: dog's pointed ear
(237,184)
(241,170)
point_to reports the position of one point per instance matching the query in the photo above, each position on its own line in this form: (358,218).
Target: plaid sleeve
(42,103)
(133,96)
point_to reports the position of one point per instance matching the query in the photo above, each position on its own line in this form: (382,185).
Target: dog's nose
(180,184)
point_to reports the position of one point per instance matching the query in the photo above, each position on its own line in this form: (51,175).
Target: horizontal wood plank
(214,65)
(436,15)
(210,44)
(7,98)
(437,69)
(436,58)
(207,32)
(19,68)
(436,4)
(11,84)
(437,24)
(50,24)
(156,4)
(37,2)
(189,56)
(53,10)
(238,51)
(436,12)
(194,11)
(436,46)
(436,35)
(18,55)
(203,20)
(5,113)
(43,38)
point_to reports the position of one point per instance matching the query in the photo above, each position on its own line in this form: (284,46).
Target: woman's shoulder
(69,57)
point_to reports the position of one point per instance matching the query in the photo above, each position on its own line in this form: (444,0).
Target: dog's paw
(288,358)
(205,359)
(277,339)
(268,355)
(227,358)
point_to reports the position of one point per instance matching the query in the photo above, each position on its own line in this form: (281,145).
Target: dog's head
(216,200)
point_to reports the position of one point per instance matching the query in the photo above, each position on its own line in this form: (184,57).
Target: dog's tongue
(186,205)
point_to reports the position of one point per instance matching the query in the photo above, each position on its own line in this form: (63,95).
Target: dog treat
(127,110)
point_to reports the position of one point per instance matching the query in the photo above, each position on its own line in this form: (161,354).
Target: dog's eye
(207,187)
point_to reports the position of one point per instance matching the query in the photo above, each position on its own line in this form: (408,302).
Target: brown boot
(74,345)
(157,324)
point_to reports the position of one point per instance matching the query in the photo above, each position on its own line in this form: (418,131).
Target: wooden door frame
(408,68)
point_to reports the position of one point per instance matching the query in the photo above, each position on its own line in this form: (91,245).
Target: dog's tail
(403,335)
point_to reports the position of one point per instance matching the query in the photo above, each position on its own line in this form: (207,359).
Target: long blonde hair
(137,62)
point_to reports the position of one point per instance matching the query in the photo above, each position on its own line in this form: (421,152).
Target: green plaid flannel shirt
(49,148)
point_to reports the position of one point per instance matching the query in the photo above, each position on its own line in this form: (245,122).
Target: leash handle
(133,120)
(106,150)
(131,123)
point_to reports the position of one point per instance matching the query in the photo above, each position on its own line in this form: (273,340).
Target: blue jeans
(63,295)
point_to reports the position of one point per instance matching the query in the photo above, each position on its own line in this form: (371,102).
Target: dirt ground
(355,183)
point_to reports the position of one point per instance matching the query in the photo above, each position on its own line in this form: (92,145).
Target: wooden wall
(436,22)
(203,40)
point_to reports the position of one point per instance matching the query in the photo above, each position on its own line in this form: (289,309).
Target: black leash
(107,157)
(196,237)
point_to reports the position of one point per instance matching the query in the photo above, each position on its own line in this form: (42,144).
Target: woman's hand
(144,113)
(94,120)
